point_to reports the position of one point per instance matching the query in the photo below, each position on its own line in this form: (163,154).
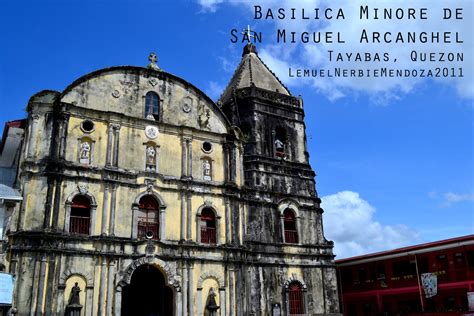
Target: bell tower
(271,120)
(283,213)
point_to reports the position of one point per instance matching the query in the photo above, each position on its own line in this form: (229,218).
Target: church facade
(142,196)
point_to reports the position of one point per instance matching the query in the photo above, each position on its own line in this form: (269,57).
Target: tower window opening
(80,216)
(208,227)
(280,142)
(289,221)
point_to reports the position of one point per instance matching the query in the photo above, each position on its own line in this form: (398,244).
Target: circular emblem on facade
(151,132)
(153,81)
(187,104)
(116,94)
(186,107)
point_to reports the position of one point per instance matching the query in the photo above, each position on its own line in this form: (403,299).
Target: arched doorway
(147,294)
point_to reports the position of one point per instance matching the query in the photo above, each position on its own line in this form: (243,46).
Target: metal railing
(79,225)
(208,235)
(291,236)
(144,227)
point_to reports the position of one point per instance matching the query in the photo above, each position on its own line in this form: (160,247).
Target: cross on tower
(248,34)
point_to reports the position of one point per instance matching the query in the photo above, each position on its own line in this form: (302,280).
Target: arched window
(148,220)
(280,141)
(289,223)
(295,298)
(79,222)
(152,105)
(208,227)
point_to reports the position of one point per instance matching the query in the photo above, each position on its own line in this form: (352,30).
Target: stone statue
(150,155)
(74,297)
(85,153)
(212,306)
(207,170)
(74,307)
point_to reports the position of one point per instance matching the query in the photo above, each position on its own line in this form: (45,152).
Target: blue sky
(400,156)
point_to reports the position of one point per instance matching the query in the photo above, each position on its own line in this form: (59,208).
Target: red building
(388,283)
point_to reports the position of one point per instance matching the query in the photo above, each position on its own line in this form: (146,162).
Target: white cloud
(214,90)
(450,198)
(380,89)
(209,5)
(456,197)
(349,221)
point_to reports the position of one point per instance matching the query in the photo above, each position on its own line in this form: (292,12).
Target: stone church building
(142,196)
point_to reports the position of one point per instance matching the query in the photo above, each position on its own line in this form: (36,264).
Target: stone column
(183,216)
(227,221)
(232,162)
(241,165)
(92,231)
(110,134)
(242,223)
(189,215)
(298,230)
(110,288)
(49,203)
(238,291)
(134,221)
(237,225)
(32,139)
(190,158)
(222,300)
(41,285)
(102,287)
(89,298)
(21,213)
(105,209)
(62,135)
(199,307)
(225,149)
(57,204)
(118,302)
(116,145)
(184,149)
(198,228)
(184,273)
(231,293)
(112,210)
(162,228)
(60,299)
(31,292)
(190,290)
(178,304)
(218,230)
(282,224)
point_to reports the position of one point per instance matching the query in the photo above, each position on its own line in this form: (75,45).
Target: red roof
(408,249)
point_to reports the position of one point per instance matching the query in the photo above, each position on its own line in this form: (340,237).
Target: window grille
(80,216)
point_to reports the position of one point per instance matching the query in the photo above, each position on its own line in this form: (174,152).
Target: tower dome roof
(252,71)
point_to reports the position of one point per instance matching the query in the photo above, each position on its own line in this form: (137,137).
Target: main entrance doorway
(147,294)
